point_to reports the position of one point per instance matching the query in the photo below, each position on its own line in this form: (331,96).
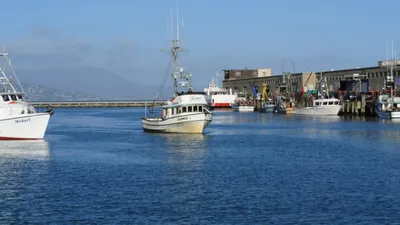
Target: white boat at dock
(242,104)
(219,97)
(187,111)
(18,119)
(243,108)
(267,104)
(388,107)
(282,107)
(321,107)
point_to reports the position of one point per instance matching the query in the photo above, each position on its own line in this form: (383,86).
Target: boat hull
(195,124)
(319,111)
(243,108)
(221,105)
(386,114)
(268,109)
(24,127)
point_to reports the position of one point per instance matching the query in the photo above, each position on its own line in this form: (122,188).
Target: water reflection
(185,148)
(37,150)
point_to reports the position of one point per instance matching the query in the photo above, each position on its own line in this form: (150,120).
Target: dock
(98,104)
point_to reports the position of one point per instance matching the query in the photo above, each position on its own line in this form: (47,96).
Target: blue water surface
(97,166)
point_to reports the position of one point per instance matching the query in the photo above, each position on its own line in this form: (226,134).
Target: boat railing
(207,111)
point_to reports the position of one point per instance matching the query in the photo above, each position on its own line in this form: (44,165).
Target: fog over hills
(89,83)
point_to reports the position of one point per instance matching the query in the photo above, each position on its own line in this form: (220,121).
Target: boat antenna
(4,55)
(175,48)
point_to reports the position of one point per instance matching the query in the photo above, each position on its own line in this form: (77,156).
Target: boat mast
(175,48)
(391,65)
(5,58)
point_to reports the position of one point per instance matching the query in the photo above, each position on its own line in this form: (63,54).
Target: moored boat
(219,97)
(321,107)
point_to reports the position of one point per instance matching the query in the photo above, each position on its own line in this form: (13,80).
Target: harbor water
(97,166)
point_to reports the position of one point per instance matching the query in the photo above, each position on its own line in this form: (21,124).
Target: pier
(100,104)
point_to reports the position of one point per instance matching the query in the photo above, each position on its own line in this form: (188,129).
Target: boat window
(330,103)
(324,103)
(20,97)
(13,97)
(179,110)
(200,108)
(172,111)
(183,109)
(190,108)
(6,98)
(195,108)
(317,103)
(336,103)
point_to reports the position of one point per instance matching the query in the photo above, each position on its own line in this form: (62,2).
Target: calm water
(98,166)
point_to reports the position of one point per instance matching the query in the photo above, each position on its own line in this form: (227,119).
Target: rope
(161,88)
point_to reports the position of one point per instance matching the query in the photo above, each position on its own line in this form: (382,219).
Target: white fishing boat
(187,111)
(241,104)
(321,107)
(243,108)
(388,106)
(324,105)
(219,97)
(18,119)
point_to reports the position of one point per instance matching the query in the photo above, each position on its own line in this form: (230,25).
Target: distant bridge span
(92,104)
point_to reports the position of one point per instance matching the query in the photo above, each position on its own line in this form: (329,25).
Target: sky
(125,36)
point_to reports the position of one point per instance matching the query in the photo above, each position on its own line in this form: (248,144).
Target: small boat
(321,107)
(187,111)
(219,97)
(280,106)
(19,120)
(242,104)
(388,107)
(243,108)
(268,106)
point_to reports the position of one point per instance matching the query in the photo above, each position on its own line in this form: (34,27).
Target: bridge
(92,104)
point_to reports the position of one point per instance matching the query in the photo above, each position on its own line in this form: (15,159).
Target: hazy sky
(125,36)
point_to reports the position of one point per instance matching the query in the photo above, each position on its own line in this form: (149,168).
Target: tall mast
(5,58)
(390,65)
(175,48)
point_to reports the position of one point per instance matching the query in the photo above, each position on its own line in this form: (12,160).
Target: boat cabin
(12,97)
(326,102)
(177,110)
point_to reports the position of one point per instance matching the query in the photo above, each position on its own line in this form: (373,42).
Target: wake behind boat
(187,111)
(18,119)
